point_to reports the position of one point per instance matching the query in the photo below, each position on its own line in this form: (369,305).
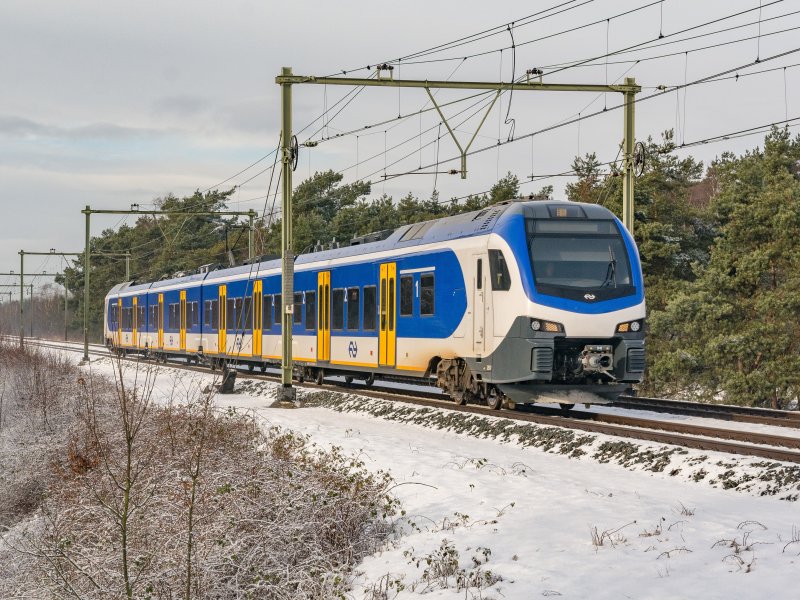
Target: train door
(478,307)
(222,310)
(135,323)
(160,319)
(258,298)
(119,322)
(324,316)
(387,342)
(183,321)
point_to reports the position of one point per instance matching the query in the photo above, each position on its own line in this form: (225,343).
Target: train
(523,301)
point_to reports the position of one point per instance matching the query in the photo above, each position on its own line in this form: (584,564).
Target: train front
(584,323)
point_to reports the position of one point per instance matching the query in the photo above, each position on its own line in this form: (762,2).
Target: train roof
(479,222)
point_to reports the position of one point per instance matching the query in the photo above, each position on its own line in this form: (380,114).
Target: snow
(536,510)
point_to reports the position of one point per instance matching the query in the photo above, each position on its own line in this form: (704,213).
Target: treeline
(719,248)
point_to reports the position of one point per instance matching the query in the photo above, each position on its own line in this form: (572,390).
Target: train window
(278,311)
(215,314)
(426,282)
(230,317)
(337,309)
(207,314)
(266,312)
(248,312)
(406,295)
(141,319)
(239,319)
(298,308)
(370,306)
(498,269)
(479,278)
(311,310)
(353,298)
(172,317)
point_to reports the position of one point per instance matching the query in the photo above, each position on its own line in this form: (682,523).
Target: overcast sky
(112,103)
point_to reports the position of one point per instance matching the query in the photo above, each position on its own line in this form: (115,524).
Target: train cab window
(406,295)
(311,310)
(266,312)
(498,269)
(278,311)
(297,317)
(479,276)
(248,312)
(353,306)
(426,284)
(337,309)
(370,307)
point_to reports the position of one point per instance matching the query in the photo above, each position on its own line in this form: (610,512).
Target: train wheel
(319,378)
(461,400)
(494,398)
(369,380)
(251,367)
(263,367)
(348,379)
(566,406)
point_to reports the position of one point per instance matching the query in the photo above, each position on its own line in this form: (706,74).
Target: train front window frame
(579,258)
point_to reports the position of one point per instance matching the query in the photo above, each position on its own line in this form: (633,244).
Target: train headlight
(548,326)
(630,326)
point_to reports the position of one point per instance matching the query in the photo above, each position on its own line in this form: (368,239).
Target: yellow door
(160,319)
(135,319)
(222,320)
(388,318)
(119,322)
(324,316)
(257,315)
(183,321)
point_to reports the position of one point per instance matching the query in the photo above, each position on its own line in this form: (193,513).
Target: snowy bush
(184,501)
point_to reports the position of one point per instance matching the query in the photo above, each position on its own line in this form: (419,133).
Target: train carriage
(516,301)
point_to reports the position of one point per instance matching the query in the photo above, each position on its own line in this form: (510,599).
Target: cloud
(12,126)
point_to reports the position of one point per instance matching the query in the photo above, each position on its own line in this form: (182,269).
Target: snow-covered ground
(536,506)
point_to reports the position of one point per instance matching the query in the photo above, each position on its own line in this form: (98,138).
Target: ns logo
(352,349)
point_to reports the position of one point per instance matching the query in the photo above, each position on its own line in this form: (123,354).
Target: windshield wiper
(611,272)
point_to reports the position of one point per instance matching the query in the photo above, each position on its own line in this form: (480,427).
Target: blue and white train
(512,303)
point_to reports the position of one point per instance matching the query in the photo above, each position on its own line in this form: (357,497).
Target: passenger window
(248,312)
(370,306)
(479,281)
(311,310)
(298,308)
(337,309)
(353,298)
(278,311)
(230,317)
(426,298)
(406,295)
(266,310)
(215,314)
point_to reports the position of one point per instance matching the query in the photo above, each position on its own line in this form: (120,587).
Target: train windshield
(579,258)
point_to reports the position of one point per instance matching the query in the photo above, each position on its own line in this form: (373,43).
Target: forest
(718,245)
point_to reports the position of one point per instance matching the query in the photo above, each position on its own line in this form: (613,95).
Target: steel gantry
(289,150)
(89,211)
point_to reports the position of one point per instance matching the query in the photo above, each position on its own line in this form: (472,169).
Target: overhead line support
(89,211)
(288,158)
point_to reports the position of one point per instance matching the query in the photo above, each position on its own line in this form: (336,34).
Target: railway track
(699,437)
(722,412)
